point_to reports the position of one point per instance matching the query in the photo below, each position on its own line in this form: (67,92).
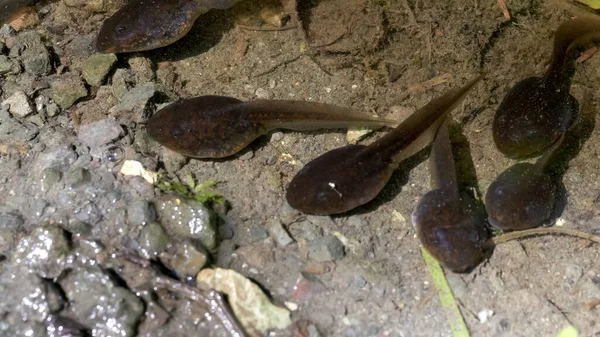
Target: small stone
(153,240)
(142,67)
(7,238)
(140,212)
(32,52)
(97,301)
(10,219)
(50,176)
(77,177)
(96,6)
(278,233)
(262,93)
(26,18)
(277,136)
(185,258)
(52,109)
(100,133)
(355,135)
(484,315)
(6,65)
(359,281)
(6,31)
(328,248)
(187,218)
(67,89)
(44,251)
(136,101)
(95,69)
(18,104)
(121,82)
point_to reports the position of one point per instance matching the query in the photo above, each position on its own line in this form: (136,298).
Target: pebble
(10,219)
(13,131)
(18,104)
(44,251)
(572,275)
(278,233)
(121,82)
(187,218)
(142,67)
(359,281)
(97,301)
(262,93)
(32,52)
(50,176)
(67,89)
(27,295)
(60,158)
(186,258)
(327,248)
(152,240)
(96,6)
(96,67)
(77,177)
(138,101)
(140,212)
(6,65)
(100,132)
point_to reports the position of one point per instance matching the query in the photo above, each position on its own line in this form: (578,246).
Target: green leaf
(569,331)
(453,315)
(180,188)
(205,185)
(189,181)
(594,4)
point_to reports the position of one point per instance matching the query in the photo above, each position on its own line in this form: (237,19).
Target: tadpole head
(520,198)
(531,117)
(143,25)
(338,181)
(203,127)
(453,231)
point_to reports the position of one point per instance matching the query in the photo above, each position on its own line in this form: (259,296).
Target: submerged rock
(32,52)
(100,133)
(99,303)
(27,295)
(327,248)
(18,104)
(187,218)
(43,251)
(186,258)
(95,69)
(67,89)
(152,240)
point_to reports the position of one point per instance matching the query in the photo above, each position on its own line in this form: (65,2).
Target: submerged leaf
(250,305)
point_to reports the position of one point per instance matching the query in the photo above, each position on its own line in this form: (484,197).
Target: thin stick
(539,231)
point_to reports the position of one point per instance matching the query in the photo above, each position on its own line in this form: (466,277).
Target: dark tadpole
(149,24)
(350,176)
(538,110)
(220,126)
(450,224)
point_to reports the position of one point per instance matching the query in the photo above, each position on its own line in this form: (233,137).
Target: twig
(539,231)
(504,9)
(586,55)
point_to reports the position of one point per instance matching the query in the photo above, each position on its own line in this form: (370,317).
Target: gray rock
(77,177)
(122,81)
(50,176)
(7,238)
(100,132)
(327,248)
(60,158)
(186,258)
(137,101)
(278,233)
(187,218)
(28,46)
(67,89)
(359,281)
(13,131)
(152,240)
(95,69)
(97,302)
(25,294)
(140,212)
(18,104)
(10,219)
(6,31)
(6,65)
(43,251)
